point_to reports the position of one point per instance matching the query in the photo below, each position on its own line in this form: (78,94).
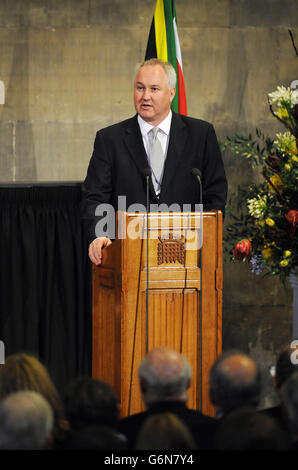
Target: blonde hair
(22,371)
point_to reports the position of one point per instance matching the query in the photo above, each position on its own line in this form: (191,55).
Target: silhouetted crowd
(33,415)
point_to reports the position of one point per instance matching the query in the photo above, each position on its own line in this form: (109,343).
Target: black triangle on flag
(151,52)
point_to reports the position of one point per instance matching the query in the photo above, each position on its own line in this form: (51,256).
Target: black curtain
(45,278)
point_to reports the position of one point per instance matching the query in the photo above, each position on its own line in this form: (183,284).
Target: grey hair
(26,420)
(157,388)
(167,66)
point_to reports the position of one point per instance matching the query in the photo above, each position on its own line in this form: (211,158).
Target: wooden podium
(184,299)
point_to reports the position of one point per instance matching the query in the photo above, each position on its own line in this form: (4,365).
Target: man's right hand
(96,247)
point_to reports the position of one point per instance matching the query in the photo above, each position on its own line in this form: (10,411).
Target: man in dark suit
(122,152)
(165,376)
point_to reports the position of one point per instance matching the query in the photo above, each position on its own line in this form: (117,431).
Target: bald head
(164,375)
(165,362)
(234,381)
(239,368)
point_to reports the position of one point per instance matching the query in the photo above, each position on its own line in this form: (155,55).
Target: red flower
(292,218)
(242,249)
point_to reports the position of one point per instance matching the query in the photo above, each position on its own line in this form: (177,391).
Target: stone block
(69,75)
(267,13)
(25,155)
(117,13)
(7,160)
(44,14)
(54,151)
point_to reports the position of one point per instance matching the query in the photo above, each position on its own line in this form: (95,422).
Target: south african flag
(163,43)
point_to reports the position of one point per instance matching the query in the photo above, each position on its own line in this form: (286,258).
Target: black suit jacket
(201,427)
(280,417)
(119,157)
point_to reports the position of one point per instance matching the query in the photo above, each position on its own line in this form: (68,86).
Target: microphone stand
(147,173)
(198,175)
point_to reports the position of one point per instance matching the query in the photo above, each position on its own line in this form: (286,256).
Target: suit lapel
(178,136)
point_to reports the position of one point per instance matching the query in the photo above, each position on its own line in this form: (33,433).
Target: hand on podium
(96,247)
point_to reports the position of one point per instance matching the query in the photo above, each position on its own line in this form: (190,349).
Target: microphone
(147,173)
(198,174)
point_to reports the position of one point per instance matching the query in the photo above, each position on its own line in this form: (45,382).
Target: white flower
(257,206)
(281,96)
(285,142)
(295,97)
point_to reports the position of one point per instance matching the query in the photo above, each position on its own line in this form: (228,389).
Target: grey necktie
(156,159)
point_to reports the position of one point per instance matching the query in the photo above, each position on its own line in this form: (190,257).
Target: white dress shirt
(163,133)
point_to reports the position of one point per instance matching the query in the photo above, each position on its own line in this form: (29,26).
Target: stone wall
(67,68)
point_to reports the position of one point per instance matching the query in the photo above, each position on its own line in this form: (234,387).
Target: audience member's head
(164,374)
(164,431)
(94,438)
(22,371)
(286,364)
(246,429)
(90,401)
(289,398)
(26,421)
(235,381)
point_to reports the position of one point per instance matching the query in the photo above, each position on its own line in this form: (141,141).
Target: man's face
(152,97)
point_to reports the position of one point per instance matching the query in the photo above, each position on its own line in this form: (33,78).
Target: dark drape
(45,278)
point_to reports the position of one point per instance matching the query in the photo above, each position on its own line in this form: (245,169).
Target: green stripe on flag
(169,9)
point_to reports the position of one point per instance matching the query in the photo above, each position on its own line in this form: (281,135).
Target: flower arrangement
(264,216)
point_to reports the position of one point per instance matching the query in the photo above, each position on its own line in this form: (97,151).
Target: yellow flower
(270,222)
(284,263)
(259,223)
(277,183)
(267,253)
(287,253)
(293,149)
(282,113)
(294,159)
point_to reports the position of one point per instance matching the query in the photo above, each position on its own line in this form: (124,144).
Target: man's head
(26,421)
(90,401)
(164,374)
(235,381)
(154,90)
(246,429)
(164,431)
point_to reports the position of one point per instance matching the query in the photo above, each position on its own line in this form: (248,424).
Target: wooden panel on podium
(185,300)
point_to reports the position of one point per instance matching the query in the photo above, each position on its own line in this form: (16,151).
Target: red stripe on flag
(181,88)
